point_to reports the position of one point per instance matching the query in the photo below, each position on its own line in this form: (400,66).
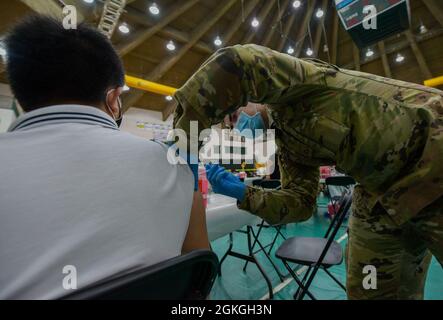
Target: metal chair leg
(297,292)
(297,280)
(273,243)
(279,233)
(270,260)
(260,268)
(231,243)
(255,241)
(309,281)
(335,279)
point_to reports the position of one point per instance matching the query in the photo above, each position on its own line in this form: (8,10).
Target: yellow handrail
(146,85)
(154,87)
(435,82)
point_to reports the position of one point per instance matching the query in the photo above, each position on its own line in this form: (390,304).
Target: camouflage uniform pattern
(401,254)
(387,134)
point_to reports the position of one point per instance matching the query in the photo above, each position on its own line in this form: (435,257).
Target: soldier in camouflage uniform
(387,134)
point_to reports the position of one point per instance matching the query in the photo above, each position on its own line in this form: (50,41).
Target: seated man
(75,191)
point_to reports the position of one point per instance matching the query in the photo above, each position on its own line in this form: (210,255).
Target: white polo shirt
(80,196)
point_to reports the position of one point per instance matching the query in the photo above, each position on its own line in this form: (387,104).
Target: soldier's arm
(295,202)
(236,75)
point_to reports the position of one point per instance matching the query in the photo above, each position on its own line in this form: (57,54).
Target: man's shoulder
(155,152)
(132,139)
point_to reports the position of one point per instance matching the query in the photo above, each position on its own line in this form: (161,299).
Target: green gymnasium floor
(250,285)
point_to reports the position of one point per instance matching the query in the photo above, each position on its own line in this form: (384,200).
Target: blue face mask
(252,123)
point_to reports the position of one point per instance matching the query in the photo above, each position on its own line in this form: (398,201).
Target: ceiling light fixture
(309,52)
(170,46)
(169,98)
(154,9)
(400,58)
(296,4)
(290,50)
(255,23)
(124,28)
(2,50)
(369,53)
(320,13)
(126,88)
(218,42)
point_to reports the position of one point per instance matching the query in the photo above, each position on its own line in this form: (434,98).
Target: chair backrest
(345,206)
(340,181)
(344,183)
(187,277)
(336,224)
(339,215)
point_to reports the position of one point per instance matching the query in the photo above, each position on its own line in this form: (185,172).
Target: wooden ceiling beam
(238,21)
(52,8)
(384,59)
(46,7)
(303,28)
(142,34)
(426,72)
(143,57)
(400,46)
(158,72)
(184,38)
(141,18)
(319,31)
(286,29)
(435,10)
(198,32)
(264,11)
(334,38)
(274,23)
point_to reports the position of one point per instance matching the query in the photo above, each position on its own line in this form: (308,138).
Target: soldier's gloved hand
(225,183)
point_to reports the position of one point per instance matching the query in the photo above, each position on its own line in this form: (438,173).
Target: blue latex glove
(194,169)
(192,161)
(225,183)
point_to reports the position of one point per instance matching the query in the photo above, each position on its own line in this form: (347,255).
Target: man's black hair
(48,64)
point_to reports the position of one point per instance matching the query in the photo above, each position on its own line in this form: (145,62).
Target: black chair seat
(187,277)
(307,251)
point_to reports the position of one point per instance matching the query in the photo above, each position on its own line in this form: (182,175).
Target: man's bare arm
(197,234)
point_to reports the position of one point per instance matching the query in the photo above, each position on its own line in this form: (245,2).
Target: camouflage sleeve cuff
(246,203)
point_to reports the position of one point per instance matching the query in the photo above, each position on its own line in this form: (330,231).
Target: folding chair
(187,277)
(315,253)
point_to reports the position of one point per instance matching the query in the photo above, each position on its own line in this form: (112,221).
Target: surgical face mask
(118,120)
(253,123)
